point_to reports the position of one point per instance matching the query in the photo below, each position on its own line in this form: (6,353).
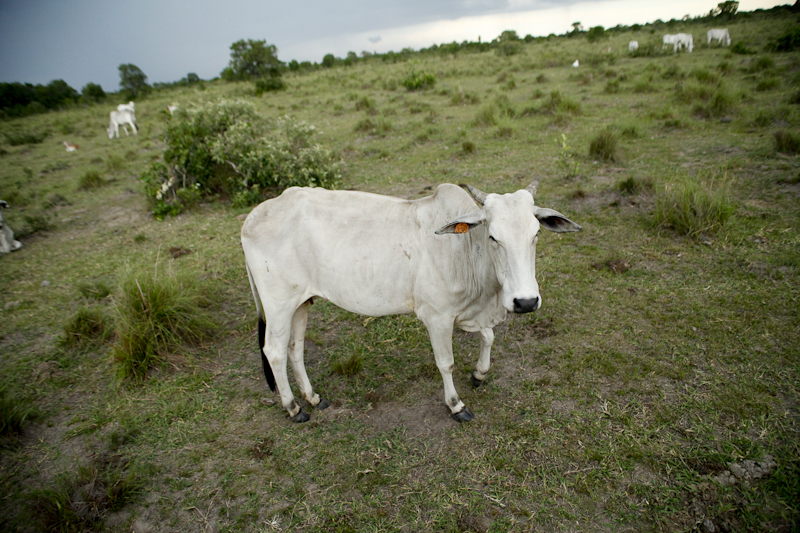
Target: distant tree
(595,34)
(577,27)
(727,9)
(192,78)
(508,35)
(252,60)
(55,94)
(351,59)
(132,80)
(92,92)
(328,61)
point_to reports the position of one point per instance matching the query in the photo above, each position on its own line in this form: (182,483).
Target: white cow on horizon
(721,35)
(679,40)
(633,46)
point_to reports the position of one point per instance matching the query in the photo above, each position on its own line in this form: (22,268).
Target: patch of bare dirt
(422,420)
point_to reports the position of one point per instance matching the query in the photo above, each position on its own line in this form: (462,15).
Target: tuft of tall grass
(91,180)
(786,142)
(557,103)
(604,145)
(14,413)
(81,501)
(349,366)
(694,206)
(85,328)
(25,137)
(156,314)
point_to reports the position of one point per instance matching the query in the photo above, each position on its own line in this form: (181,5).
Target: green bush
(25,137)
(269,84)
(224,147)
(693,206)
(788,42)
(742,49)
(157,314)
(418,80)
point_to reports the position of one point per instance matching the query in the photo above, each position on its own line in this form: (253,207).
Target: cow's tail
(262,332)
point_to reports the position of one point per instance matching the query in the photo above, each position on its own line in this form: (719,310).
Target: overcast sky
(82,41)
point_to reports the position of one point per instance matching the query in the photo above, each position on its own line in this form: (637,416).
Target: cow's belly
(361,284)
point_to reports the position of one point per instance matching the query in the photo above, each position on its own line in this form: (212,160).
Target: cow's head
(512,227)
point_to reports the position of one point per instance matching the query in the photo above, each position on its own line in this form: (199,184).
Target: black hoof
(300,417)
(465,415)
(322,404)
(475,381)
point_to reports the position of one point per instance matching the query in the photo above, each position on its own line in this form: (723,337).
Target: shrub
(418,80)
(365,103)
(604,146)
(269,84)
(788,42)
(468,147)
(509,48)
(91,180)
(558,103)
(786,142)
(693,206)
(612,87)
(224,147)
(85,328)
(595,34)
(25,137)
(740,48)
(156,314)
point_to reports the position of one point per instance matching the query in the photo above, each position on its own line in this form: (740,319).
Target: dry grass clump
(91,180)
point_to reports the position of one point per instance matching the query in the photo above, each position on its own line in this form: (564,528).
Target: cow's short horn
(532,187)
(477,194)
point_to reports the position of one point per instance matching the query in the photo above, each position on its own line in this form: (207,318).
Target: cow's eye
(493,239)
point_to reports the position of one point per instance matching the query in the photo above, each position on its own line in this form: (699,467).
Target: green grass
(665,348)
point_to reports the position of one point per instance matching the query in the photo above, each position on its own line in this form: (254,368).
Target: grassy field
(655,390)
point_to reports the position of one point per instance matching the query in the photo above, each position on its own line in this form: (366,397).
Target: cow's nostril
(525,305)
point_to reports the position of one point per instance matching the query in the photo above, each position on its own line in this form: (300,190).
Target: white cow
(576,64)
(130,106)
(7,241)
(444,258)
(172,108)
(120,118)
(679,40)
(633,46)
(685,40)
(722,36)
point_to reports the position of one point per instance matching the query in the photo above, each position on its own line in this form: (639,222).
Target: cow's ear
(555,221)
(463,224)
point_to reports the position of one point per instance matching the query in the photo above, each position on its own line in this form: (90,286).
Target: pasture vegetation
(666,349)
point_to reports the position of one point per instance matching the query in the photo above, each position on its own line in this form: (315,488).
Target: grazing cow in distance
(576,63)
(172,108)
(120,118)
(449,261)
(633,46)
(70,147)
(721,35)
(679,40)
(7,241)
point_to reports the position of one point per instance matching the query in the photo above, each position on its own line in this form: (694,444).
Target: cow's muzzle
(525,305)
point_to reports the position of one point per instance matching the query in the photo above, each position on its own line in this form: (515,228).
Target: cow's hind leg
(276,343)
(441,334)
(299,322)
(479,374)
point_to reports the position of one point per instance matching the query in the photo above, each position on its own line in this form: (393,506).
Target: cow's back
(362,251)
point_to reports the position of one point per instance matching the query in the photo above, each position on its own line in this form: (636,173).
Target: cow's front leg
(441,334)
(479,374)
